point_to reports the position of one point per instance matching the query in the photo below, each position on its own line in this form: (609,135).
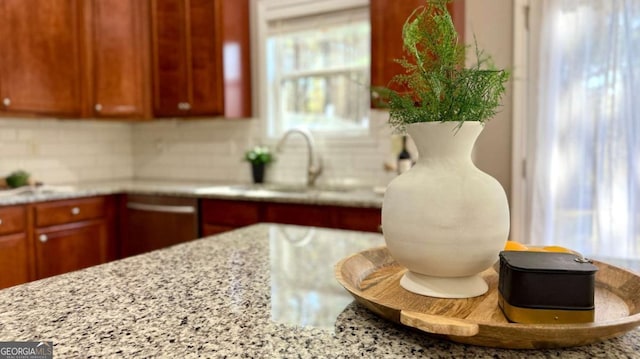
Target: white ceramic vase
(444,219)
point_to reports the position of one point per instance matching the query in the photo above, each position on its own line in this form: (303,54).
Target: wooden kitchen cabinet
(72,234)
(191,39)
(16,257)
(117,52)
(387,19)
(65,248)
(40,57)
(219,216)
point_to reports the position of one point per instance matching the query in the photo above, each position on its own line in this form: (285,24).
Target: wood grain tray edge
(372,277)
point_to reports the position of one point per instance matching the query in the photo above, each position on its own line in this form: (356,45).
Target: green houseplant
(436,85)
(444,220)
(259,157)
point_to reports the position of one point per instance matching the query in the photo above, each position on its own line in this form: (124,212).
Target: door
(15,260)
(187,57)
(41,61)
(119,57)
(70,247)
(387,20)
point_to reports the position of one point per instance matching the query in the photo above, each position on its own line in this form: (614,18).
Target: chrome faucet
(314,162)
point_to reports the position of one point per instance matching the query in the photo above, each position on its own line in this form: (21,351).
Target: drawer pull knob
(0,221)
(43,238)
(75,211)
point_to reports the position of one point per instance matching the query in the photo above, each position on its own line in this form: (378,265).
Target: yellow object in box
(517,246)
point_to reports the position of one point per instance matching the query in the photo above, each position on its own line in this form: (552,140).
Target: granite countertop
(324,195)
(264,291)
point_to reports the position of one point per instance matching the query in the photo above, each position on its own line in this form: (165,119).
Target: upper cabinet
(387,19)
(200,58)
(125,58)
(117,52)
(40,58)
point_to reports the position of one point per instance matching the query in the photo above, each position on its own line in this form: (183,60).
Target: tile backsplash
(66,151)
(212,150)
(72,151)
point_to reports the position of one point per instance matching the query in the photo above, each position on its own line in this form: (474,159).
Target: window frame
(266,11)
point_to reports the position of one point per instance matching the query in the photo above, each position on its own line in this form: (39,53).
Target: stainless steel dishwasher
(154,222)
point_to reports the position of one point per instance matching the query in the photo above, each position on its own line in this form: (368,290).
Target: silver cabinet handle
(185,106)
(98,107)
(160,208)
(75,211)
(43,238)
(0,221)
(6,101)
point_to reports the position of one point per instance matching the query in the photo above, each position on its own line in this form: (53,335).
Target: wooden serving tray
(373,278)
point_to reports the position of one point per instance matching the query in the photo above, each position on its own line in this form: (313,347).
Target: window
(583,156)
(317,71)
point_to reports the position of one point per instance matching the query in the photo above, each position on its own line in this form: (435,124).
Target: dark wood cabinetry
(48,238)
(219,216)
(72,234)
(40,57)
(190,77)
(69,247)
(117,52)
(387,19)
(16,258)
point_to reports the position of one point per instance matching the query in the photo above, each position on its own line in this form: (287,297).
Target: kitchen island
(264,291)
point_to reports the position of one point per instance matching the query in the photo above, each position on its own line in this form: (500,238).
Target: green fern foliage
(439,87)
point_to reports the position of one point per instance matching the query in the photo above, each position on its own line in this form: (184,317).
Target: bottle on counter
(404,158)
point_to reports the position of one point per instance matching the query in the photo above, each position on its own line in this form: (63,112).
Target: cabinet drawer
(12,219)
(61,212)
(230,213)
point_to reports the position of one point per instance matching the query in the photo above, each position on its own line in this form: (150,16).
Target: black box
(546,287)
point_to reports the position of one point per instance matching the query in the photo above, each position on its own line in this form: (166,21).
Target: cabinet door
(41,68)
(169,57)
(118,58)
(387,20)
(187,58)
(15,260)
(66,248)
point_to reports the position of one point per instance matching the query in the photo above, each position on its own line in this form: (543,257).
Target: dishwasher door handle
(161,208)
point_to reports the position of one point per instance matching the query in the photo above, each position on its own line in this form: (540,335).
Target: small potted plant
(444,219)
(259,157)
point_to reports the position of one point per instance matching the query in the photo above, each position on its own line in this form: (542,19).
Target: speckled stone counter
(265,291)
(351,197)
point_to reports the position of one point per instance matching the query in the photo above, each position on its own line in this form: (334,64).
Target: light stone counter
(351,197)
(265,291)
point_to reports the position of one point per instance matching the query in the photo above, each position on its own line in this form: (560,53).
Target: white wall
(492,23)
(66,151)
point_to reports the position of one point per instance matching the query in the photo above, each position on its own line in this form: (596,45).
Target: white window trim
(265,11)
(520,78)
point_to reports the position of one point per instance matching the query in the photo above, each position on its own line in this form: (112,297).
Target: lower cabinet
(49,238)
(219,216)
(16,255)
(69,247)
(223,215)
(15,260)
